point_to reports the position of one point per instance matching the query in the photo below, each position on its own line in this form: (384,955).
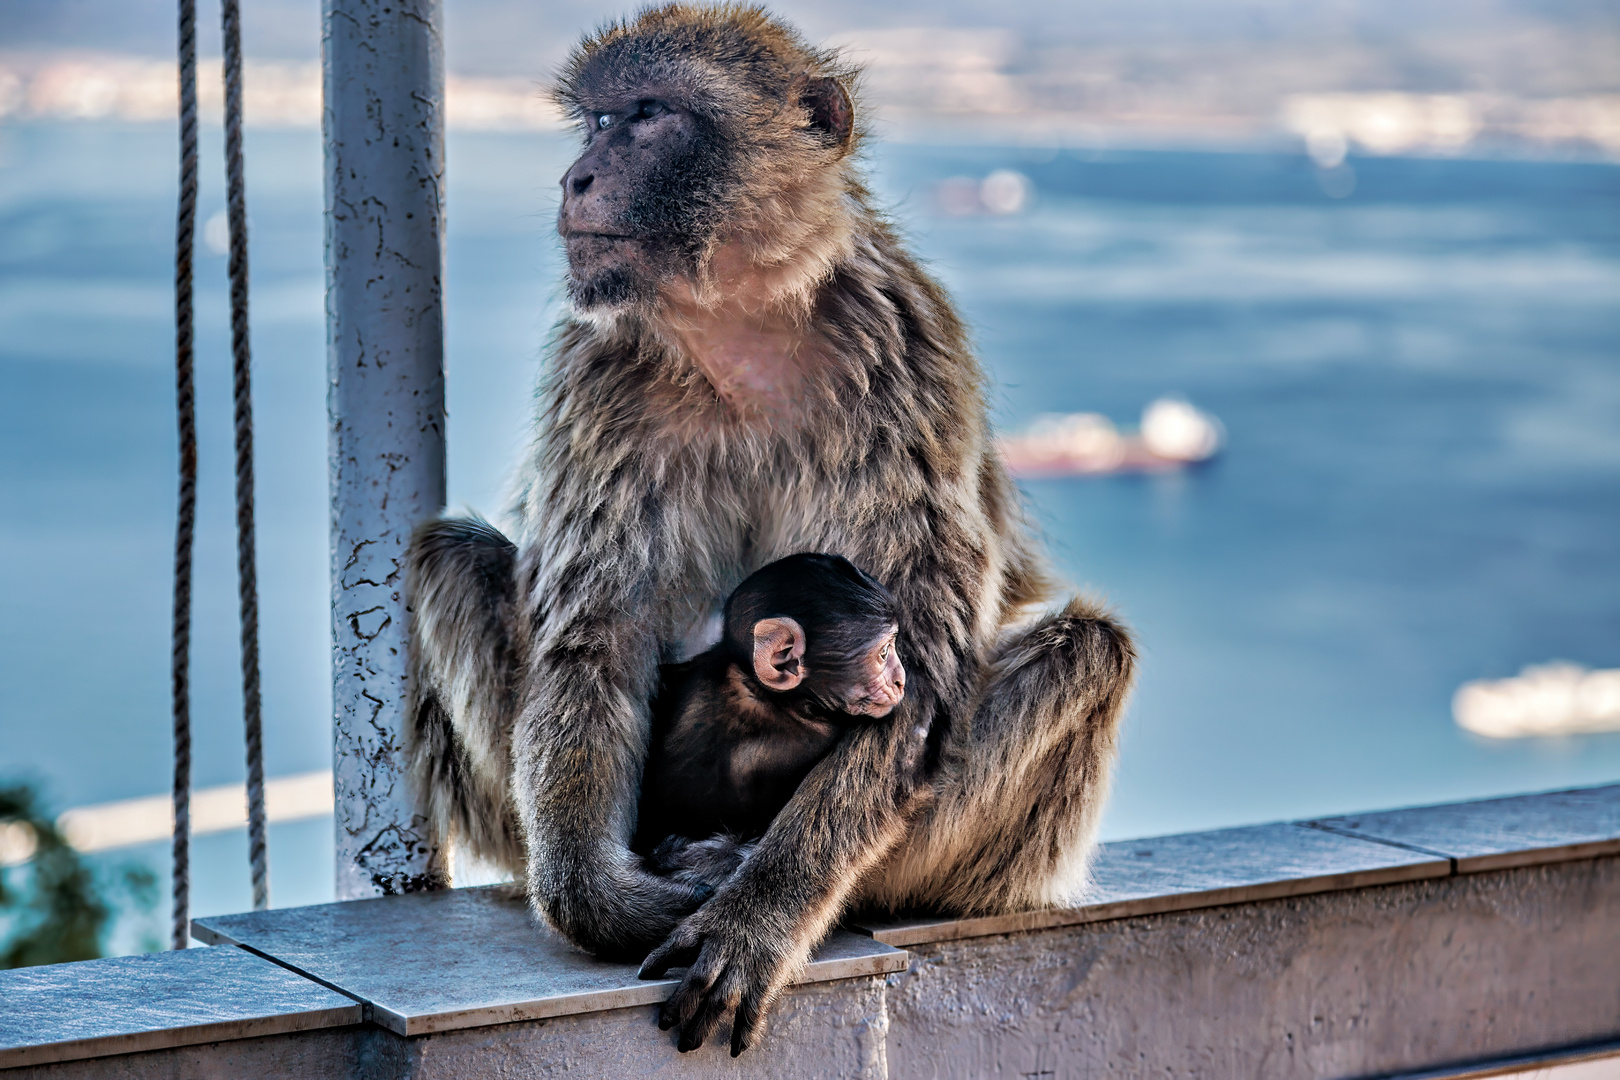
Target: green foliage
(54,907)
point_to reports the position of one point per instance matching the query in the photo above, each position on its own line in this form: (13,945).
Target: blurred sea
(1420,382)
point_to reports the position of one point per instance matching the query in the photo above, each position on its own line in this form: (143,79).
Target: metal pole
(383,123)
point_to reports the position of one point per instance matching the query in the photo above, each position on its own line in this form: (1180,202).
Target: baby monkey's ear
(779,653)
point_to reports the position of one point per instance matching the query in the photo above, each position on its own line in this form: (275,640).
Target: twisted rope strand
(186,514)
(246,574)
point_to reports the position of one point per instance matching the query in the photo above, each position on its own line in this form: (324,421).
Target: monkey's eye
(605,120)
(647,108)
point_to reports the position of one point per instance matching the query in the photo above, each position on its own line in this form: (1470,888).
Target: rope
(185,525)
(246,575)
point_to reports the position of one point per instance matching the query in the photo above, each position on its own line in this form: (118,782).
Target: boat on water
(1173,434)
(1559,698)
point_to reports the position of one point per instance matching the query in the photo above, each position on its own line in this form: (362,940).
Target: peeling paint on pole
(383,124)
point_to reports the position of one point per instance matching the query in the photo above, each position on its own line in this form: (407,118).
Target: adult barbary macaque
(754,366)
(807,651)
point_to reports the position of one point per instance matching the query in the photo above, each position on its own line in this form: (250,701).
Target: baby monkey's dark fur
(729,750)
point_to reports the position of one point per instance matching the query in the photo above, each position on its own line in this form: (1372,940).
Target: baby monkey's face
(865,681)
(878,681)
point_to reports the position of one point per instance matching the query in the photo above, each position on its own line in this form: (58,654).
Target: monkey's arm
(583,723)
(743,946)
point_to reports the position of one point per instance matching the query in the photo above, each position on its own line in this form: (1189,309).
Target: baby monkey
(808,651)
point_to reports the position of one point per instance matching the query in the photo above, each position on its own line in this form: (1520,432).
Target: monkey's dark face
(867,680)
(876,682)
(817,627)
(639,204)
(711,170)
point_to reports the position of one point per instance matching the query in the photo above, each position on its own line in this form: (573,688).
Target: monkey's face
(878,682)
(706,129)
(869,682)
(637,207)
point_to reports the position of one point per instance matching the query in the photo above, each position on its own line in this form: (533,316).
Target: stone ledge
(1504,910)
(1189,871)
(464,958)
(127,1004)
(1497,834)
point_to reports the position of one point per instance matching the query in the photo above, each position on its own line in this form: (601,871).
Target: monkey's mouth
(589,249)
(877,703)
(609,270)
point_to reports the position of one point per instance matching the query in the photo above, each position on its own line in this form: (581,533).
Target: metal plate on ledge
(1195,870)
(1497,834)
(127,1004)
(465,958)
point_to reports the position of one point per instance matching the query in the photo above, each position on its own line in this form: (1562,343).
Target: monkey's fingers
(678,950)
(746,1022)
(688,996)
(713,1006)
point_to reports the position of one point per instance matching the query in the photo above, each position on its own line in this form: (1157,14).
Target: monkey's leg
(1022,790)
(465,658)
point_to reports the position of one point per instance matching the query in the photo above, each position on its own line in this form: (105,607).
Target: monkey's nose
(578,185)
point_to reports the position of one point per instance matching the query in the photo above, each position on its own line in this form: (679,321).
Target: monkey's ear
(779,653)
(831,111)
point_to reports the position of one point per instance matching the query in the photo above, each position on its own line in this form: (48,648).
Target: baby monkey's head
(819,628)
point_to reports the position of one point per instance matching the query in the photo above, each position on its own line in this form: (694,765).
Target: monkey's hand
(704,864)
(736,963)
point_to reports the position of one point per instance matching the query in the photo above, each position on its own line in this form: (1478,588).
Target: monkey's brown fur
(726,756)
(656,484)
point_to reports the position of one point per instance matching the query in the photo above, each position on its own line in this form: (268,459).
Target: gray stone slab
(464,958)
(1195,870)
(1495,834)
(128,1004)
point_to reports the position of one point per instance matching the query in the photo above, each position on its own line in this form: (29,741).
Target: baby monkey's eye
(647,108)
(605,120)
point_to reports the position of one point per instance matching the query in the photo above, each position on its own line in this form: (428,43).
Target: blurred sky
(520,37)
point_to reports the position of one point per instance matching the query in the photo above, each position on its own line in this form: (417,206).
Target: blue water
(1421,385)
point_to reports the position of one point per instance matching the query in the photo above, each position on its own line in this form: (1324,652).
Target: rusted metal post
(383,123)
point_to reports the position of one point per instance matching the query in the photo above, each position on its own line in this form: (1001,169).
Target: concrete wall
(1361,983)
